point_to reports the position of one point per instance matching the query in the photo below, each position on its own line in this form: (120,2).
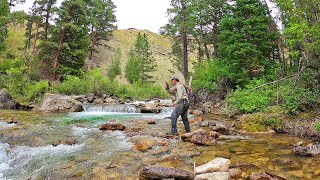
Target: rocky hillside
(125,39)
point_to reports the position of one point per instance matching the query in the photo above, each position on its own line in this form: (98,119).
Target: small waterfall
(112,108)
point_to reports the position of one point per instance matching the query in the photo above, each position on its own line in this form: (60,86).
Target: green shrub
(74,85)
(317,127)
(210,75)
(34,92)
(250,100)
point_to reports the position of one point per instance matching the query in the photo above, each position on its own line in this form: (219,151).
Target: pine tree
(71,34)
(141,61)
(102,19)
(115,67)
(4,13)
(246,44)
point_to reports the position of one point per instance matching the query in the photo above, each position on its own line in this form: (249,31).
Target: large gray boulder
(56,103)
(6,101)
(157,172)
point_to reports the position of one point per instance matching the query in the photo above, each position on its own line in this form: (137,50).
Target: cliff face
(125,39)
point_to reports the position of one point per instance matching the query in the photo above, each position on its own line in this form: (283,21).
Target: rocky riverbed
(109,145)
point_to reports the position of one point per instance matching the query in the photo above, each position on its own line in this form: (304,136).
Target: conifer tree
(246,44)
(4,13)
(115,67)
(141,61)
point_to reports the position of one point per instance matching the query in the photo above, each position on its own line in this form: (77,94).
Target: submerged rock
(11,120)
(157,172)
(216,165)
(6,101)
(265,176)
(213,176)
(306,150)
(221,128)
(64,142)
(235,173)
(113,126)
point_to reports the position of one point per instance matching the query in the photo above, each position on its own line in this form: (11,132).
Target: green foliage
(250,99)
(115,68)
(141,61)
(245,41)
(263,121)
(317,127)
(4,12)
(95,82)
(210,75)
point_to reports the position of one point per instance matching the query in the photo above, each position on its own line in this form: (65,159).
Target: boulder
(213,176)
(77,108)
(56,103)
(203,139)
(214,134)
(235,173)
(64,142)
(188,136)
(150,109)
(151,121)
(221,128)
(110,100)
(144,146)
(157,172)
(216,165)
(265,176)
(98,101)
(6,101)
(113,126)
(90,97)
(11,120)
(306,150)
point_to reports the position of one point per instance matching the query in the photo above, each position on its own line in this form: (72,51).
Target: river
(26,150)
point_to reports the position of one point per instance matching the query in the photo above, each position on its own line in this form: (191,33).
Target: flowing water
(26,150)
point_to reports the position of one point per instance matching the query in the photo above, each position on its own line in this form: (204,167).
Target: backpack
(191,96)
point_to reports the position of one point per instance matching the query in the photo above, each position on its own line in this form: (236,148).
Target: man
(181,105)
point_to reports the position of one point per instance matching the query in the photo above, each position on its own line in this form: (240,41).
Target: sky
(144,14)
(140,14)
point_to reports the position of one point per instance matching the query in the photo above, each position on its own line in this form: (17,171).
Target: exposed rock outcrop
(56,103)
(6,101)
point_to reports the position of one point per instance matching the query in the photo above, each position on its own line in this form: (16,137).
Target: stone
(144,146)
(157,172)
(196,112)
(213,176)
(306,150)
(98,101)
(56,103)
(204,124)
(214,134)
(6,101)
(150,109)
(221,128)
(265,176)
(77,108)
(90,97)
(110,100)
(188,136)
(64,142)
(216,165)
(235,173)
(203,139)
(11,120)
(151,121)
(113,126)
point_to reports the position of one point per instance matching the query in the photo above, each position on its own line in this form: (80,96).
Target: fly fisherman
(181,105)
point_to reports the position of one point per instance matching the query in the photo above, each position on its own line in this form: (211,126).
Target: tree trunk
(47,17)
(58,54)
(184,39)
(35,38)
(92,45)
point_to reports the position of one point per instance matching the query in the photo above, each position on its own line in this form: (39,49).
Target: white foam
(81,131)
(6,125)
(20,157)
